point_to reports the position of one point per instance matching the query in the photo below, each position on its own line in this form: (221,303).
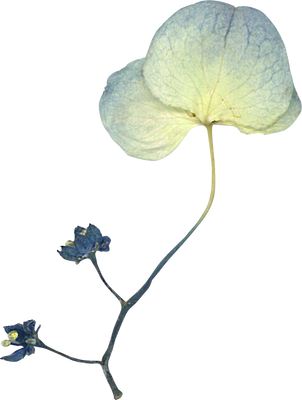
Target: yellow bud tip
(70,243)
(4,343)
(83,232)
(13,335)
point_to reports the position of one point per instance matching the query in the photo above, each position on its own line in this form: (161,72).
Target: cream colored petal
(283,122)
(137,121)
(224,64)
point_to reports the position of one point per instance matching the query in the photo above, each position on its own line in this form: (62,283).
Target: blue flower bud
(85,239)
(23,335)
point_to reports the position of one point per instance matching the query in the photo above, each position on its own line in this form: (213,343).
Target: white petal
(137,121)
(224,64)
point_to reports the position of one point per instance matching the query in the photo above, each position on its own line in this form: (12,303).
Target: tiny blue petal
(93,233)
(16,356)
(69,253)
(83,244)
(104,244)
(78,230)
(29,326)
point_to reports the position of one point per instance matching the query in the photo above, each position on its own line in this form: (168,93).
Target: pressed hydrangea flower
(23,335)
(210,63)
(86,242)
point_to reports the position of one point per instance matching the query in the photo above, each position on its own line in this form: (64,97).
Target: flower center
(31,341)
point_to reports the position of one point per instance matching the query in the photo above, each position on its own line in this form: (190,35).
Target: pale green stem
(213,178)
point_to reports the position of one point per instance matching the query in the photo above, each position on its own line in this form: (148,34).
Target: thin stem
(213,179)
(43,345)
(96,266)
(143,289)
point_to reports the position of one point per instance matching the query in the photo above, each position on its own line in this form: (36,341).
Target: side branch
(43,345)
(96,266)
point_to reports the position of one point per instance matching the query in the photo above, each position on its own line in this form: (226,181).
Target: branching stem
(142,290)
(127,304)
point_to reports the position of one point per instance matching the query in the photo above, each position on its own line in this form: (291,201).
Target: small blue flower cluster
(23,335)
(86,242)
